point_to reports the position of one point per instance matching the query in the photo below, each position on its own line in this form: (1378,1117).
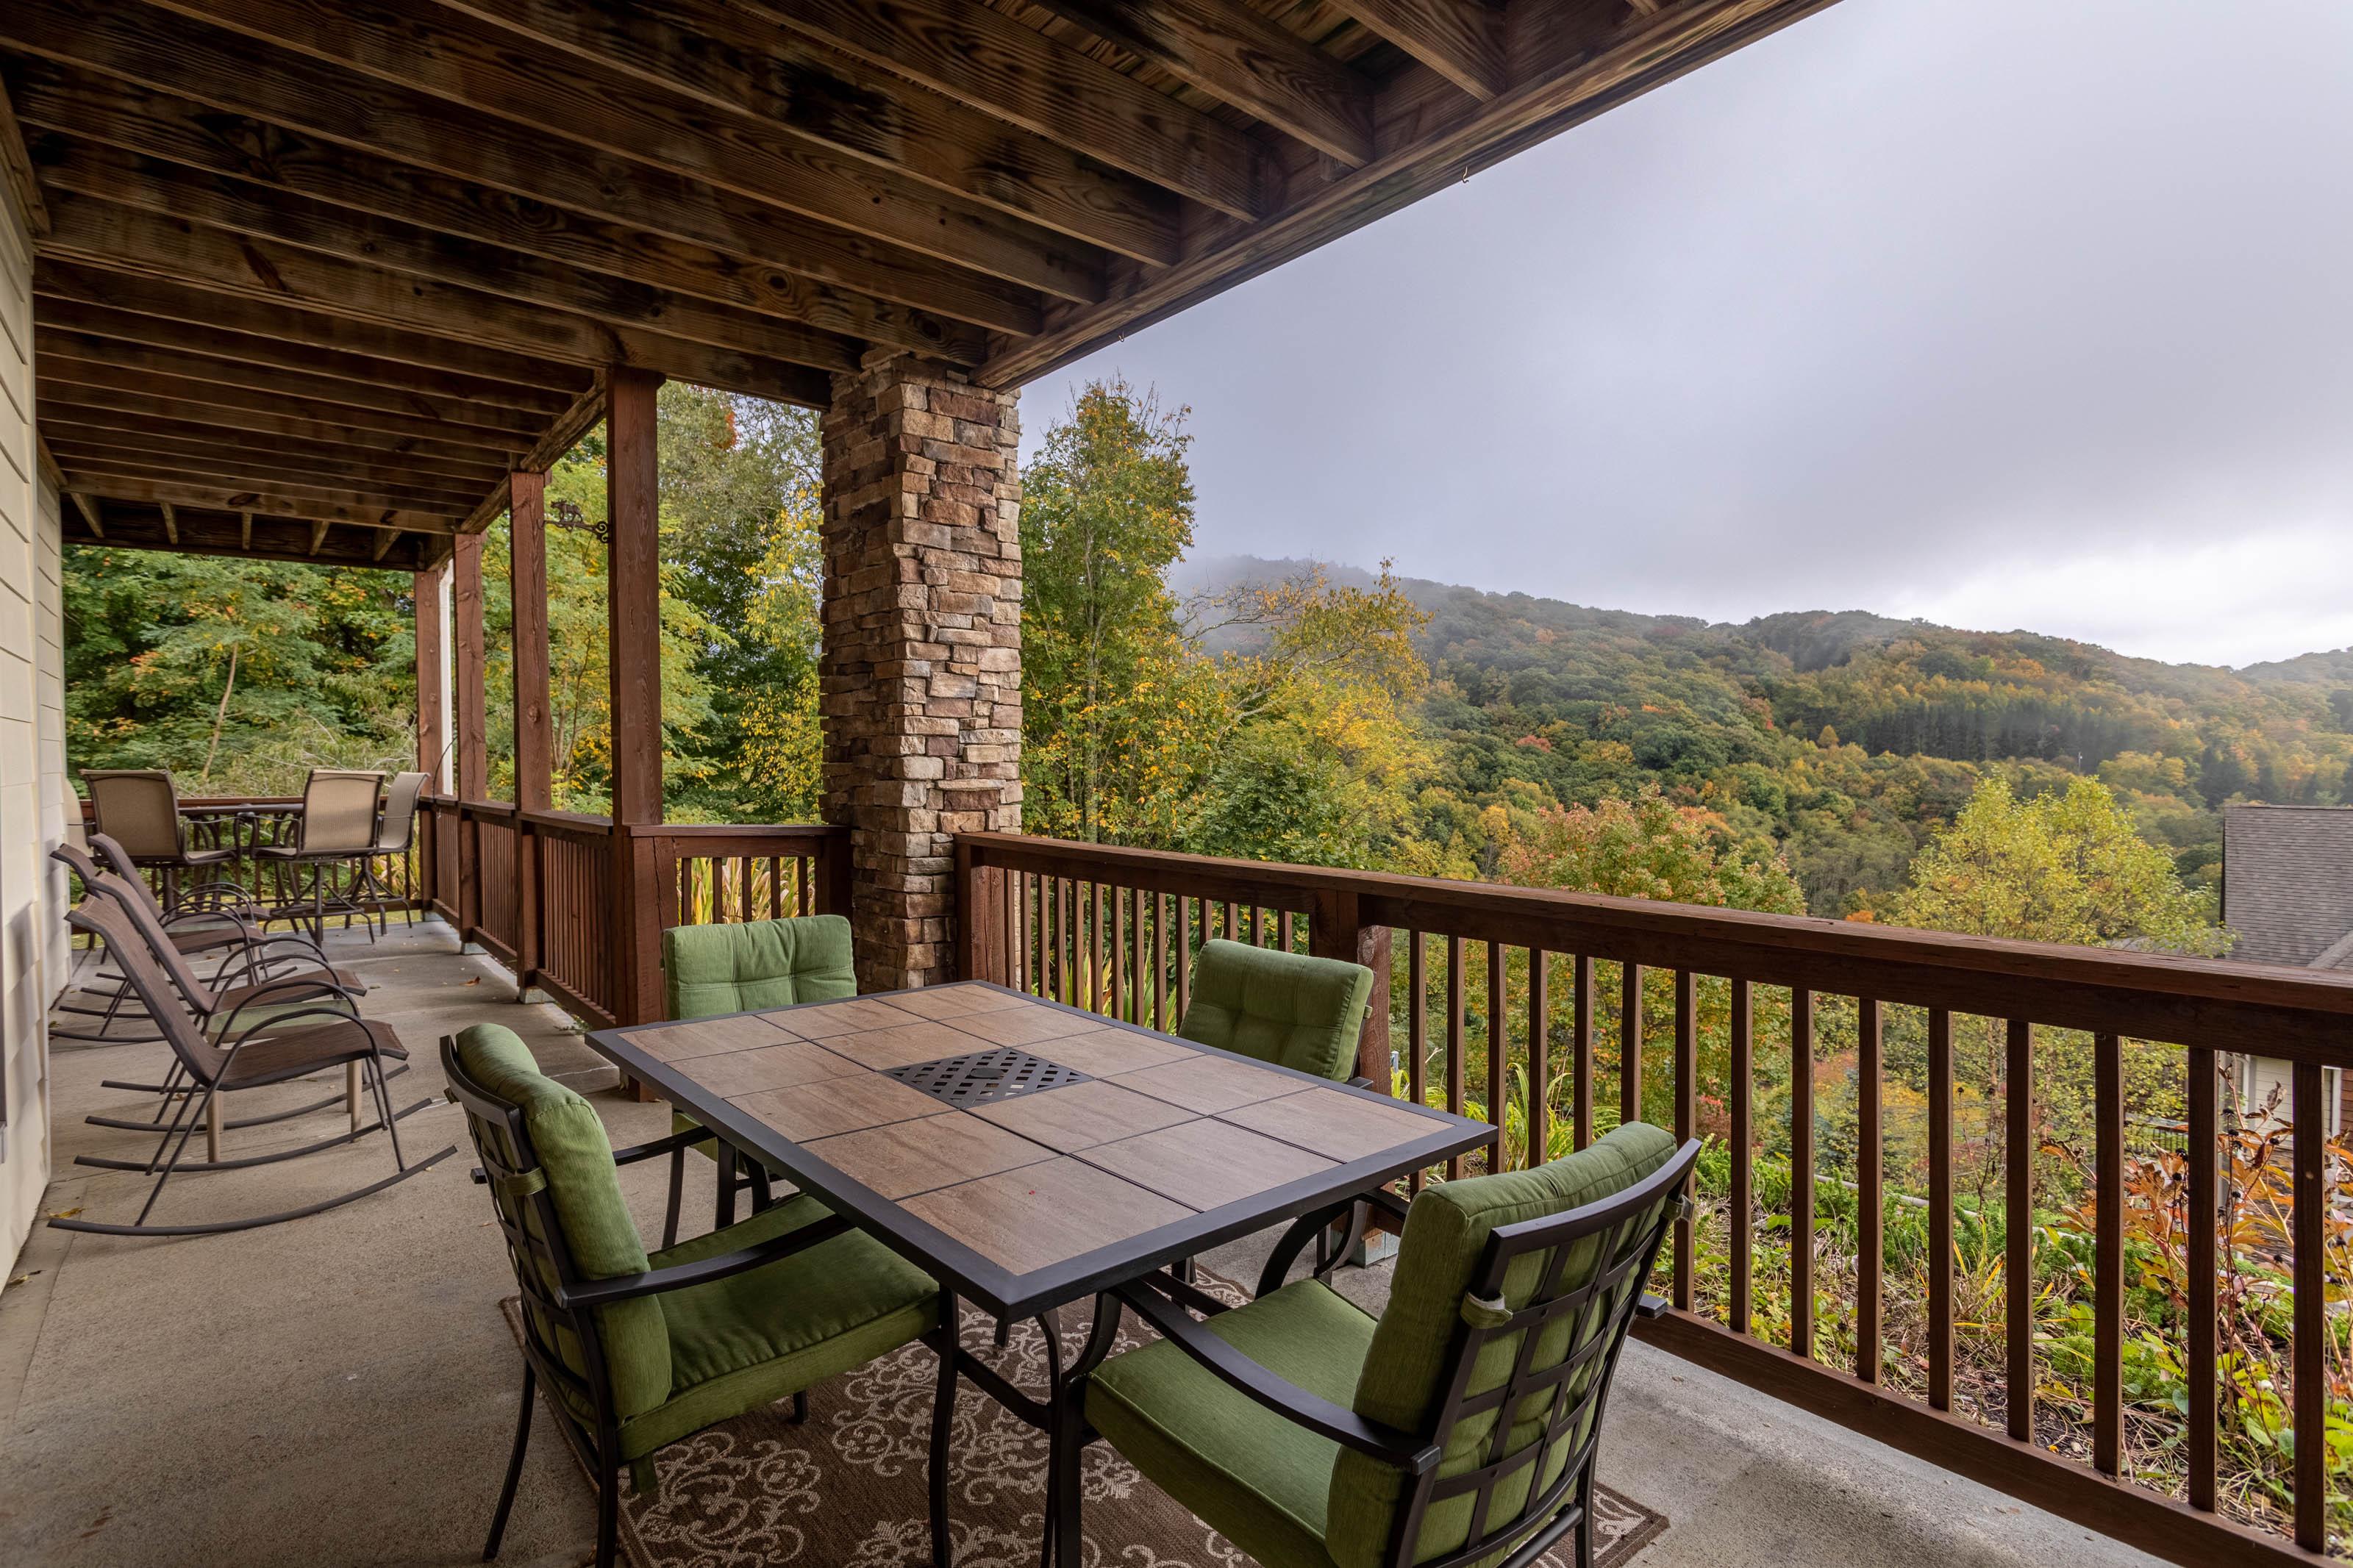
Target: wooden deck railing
(577,908)
(1484,969)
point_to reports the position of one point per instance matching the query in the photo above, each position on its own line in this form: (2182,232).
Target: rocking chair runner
(266,1053)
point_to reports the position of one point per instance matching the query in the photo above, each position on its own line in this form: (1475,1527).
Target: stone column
(921,666)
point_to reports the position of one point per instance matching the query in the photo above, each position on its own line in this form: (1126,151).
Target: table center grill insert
(980,1075)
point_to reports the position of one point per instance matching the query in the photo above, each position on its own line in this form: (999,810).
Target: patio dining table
(1028,1154)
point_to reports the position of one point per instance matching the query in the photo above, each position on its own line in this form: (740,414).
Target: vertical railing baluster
(1742,1218)
(2108,1271)
(1119,953)
(1580,1047)
(1160,961)
(2205,1210)
(1940,1208)
(1498,1040)
(1630,1042)
(1687,1119)
(2017,1212)
(1539,1060)
(1065,950)
(1455,1041)
(1186,909)
(1099,949)
(1870,1241)
(1800,1171)
(1230,923)
(2309,1346)
(1417,1025)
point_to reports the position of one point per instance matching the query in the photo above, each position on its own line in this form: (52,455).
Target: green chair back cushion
(1281,1007)
(577,1159)
(714,969)
(1411,1360)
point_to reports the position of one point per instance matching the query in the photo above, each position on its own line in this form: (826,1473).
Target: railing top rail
(2284,1012)
(567,821)
(503,808)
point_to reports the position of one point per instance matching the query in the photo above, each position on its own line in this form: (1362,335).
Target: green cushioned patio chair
(1294,1011)
(1312,1436)
(639,1351)
(1286,1008)
(712,970)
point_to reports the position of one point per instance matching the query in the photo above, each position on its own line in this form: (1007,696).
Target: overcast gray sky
(2002,312)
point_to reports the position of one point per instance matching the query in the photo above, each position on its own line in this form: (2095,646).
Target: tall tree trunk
(220,715)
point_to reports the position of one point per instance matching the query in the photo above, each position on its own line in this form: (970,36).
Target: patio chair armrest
(279,1020)
(654,1281)
(313,981)
(1277,1394)
(665,1144)
(1650,1306)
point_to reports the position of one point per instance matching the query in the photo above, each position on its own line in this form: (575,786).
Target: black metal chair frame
(1634,1225)
(522,1187)
(207,1083)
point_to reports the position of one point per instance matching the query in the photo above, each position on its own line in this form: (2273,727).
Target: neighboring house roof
(2287,884)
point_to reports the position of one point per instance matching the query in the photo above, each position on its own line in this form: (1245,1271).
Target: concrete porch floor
(341,1389)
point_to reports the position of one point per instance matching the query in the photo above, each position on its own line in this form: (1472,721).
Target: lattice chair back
(1537,1328)
(138,808)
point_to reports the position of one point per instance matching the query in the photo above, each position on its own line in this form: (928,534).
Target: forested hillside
(1846,738)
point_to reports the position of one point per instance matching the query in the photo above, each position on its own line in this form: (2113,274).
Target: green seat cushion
(576,1157)
(714,969)
(750,1339)
(1262,1481)
(1406,1372)
(1281,1007)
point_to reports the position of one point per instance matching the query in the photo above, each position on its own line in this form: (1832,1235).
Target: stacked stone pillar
(921,666)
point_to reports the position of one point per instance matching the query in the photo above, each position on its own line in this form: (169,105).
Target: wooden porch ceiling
(311,273)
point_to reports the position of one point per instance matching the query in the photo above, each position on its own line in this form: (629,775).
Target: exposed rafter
(1461,40)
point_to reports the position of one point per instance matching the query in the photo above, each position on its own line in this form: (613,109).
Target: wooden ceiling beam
(236,469)
(1007,68)
(138,526)
(92,360)
(88,506)
(144,381)
(105,420)
(234,499)
(17,166)
(128,119)
(358,78)
(170,190)
(1574,62)
(1461,40)
(739,64)
(264,332)
(1239,56)
(103,235)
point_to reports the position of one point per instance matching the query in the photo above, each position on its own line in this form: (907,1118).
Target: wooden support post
(432,710)
(1335,928)
(534,749)
(472,749)
(633,655)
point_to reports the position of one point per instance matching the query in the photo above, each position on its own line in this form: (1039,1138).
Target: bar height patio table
(1028,1154)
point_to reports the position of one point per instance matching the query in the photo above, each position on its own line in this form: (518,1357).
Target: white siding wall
(32,752)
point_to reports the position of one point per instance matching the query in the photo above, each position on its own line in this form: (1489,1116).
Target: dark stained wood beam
(1015,72)
(136,367)
(167,190)
(86,459)
(16,167)
(357,77)
(168,314)
(1583,60)
(716,55)
(46,465)
(534,730)
(265,462)
(1461,40)
(127,118)
(135,526)
(104,235)
(1234,54)
(109,426)
(234,499)
(134,385)
(87,504)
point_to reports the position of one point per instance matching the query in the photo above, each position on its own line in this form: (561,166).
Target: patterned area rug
(846,1489)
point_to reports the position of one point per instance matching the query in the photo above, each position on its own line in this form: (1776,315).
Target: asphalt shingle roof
(2287,884)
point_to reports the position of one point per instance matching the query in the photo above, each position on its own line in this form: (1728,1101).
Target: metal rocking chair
(265,1053)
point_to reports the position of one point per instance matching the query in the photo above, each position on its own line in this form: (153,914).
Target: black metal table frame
(965,1274)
